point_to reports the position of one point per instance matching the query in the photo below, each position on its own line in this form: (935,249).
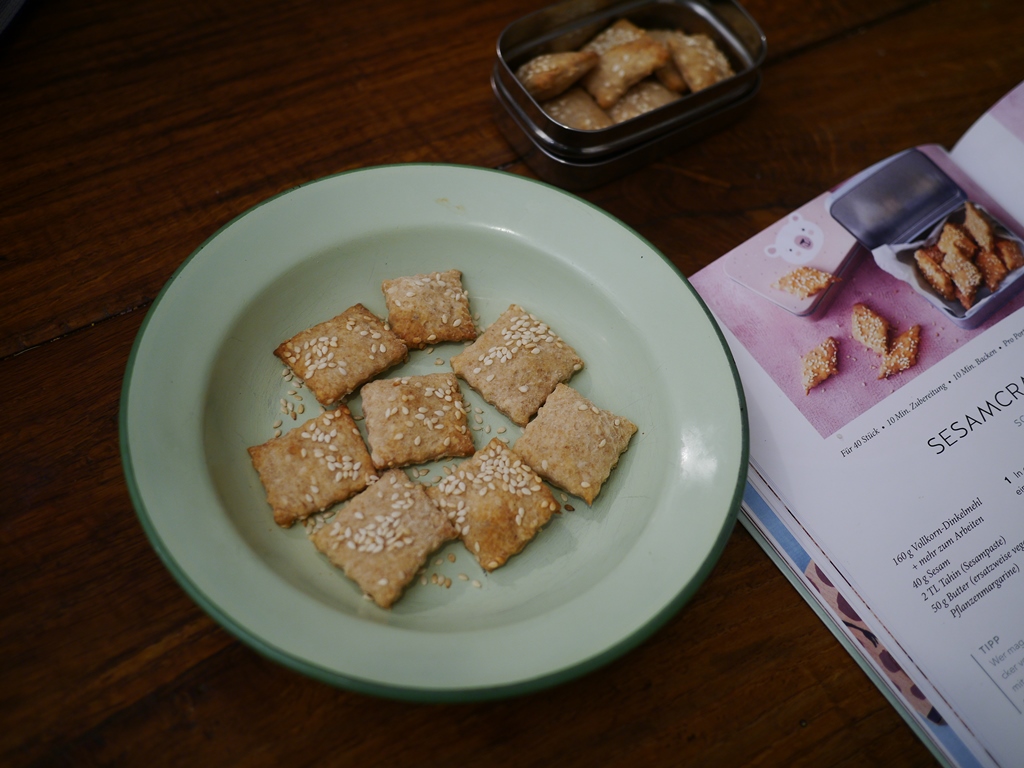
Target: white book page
(994,144)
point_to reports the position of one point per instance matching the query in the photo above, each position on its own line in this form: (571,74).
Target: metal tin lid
(896,200)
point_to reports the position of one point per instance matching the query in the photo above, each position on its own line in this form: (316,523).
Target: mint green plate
(202,385)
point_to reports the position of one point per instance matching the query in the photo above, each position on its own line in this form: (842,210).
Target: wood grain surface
(131,132)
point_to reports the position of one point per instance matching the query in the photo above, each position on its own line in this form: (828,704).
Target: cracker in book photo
(804,282)
(819,364)
(313,466)
(336,357)
(902,354)
(979,227)
(573,444)
(870,328)
(384,536)
(516,363)
(415,419)
(1009,251)
(993,270)
(496,502)
(429,309)
(929,264)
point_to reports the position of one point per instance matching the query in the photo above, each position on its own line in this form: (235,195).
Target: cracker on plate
(819,364)
(415,419)
(384,536)
(623,66)
(429,309)
(336,357)
(576,109)
(496,503)
(516,363)
(643,97)
(804,282)
(574,444)
(308,468)
(902,354)
(870,328)
(551,74)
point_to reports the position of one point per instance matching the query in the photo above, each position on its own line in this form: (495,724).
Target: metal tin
(579,159)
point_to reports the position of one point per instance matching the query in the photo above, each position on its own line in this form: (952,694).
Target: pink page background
(778,339)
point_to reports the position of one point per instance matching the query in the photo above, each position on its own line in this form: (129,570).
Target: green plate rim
(414,694)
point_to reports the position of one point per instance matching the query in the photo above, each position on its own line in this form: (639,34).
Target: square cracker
(516,363)
(576,109)
(384,536)
(415,419)
(336,357)
(574,444)
(551,74)
(429,309)
(307,469)
(622,67)
(496,503)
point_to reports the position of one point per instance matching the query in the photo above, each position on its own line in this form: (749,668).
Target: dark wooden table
(129,132)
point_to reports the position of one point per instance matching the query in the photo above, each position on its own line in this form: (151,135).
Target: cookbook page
(855,626)
(892,428)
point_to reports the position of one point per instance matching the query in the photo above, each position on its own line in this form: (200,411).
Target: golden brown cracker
(415,419)
(496,503)
(429,308)
(819,364)
(551,74)
(641,98)
(701,62)
(574,444)
(870,328)
(516,363)
(313,466)
(384,536)
(622,67)
(577,109)
(804,282)
(336,357)
(903,353)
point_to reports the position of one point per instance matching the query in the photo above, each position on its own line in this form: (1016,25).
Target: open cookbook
(879,334)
